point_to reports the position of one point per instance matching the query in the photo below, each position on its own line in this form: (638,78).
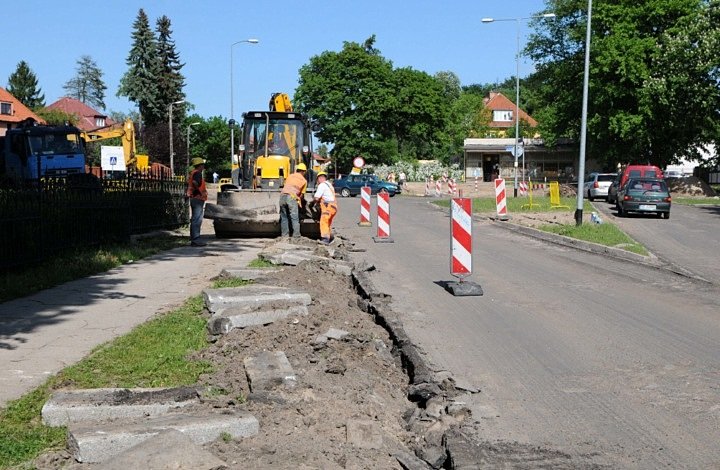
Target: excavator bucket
(251,213)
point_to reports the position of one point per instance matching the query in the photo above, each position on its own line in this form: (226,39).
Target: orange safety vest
(197,192)
(295,186)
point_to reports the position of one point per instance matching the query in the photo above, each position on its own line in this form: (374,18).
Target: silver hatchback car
(597,184)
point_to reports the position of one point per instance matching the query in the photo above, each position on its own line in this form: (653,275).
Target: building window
(99,121)
(502,116)
(6,108)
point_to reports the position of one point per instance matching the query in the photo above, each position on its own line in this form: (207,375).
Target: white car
(673,174)
(597,185)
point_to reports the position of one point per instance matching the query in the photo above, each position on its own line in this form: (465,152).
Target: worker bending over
(292,198)
(325,195)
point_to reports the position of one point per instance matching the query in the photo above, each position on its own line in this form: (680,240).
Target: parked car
(613,190)
(644,195)
(673,174)
(640,171)
(597,185)
(350,185)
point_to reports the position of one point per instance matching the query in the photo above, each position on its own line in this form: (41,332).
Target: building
(13,112)
(492,156)
(88,119)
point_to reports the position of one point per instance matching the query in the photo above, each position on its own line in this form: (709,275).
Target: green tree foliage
(644,105)
(451,85)
(87,85)
(210,140)
(170,80)
(56,117)
(23,85)
(140,84)
(366,107)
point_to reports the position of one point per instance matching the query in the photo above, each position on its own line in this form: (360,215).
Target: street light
(172,153)
(232,114)
(583,125)
(187,141)
(517,87)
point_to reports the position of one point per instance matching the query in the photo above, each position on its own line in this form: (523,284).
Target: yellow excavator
(272,144)
(133,160)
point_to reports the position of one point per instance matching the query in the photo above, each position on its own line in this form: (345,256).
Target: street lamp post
(583,125)
(170,125)
(517,89)
(232,114)
(187,141)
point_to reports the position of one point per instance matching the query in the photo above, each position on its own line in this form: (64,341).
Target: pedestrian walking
(197,195)
(402,180)
(325,195)
(292,199)
(215,177)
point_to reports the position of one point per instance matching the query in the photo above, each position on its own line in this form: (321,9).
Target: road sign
(358,162)
(112,158)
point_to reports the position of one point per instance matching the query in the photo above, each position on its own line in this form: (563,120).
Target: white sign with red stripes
(461,231)
(523,188)
(383,215)
(500,201)
(365,206)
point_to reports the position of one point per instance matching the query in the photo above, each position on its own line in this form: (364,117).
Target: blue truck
(31,152)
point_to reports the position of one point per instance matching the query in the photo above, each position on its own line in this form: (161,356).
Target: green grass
(515,204)
(260,263)
(154,354)
(693,201)
(80,263)
(604,234)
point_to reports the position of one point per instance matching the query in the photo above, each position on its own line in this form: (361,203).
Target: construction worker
(325,195)
(292,198)
(197,194)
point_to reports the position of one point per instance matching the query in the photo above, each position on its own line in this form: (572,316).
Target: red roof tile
(87,116)
(499,102)
(20,112)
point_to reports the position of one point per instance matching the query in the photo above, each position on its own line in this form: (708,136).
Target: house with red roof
(88,119)
(13,112)
(503,115)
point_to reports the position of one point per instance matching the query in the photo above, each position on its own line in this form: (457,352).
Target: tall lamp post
(232,113)
(172,152)
(583,125)
(187,141)
(517,88)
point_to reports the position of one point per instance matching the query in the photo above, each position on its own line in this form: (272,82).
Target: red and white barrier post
(523,188)
(365,207)
(461,248)
(500,199)
(438,187)
(383,218)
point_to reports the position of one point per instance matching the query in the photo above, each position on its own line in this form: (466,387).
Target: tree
(209,140)
(140,82)
(451,85)
(639,107)
(349,94)
(170,80)
(23,85)
(56,117)
(87,85)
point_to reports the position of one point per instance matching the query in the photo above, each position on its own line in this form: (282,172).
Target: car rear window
(606,177)
(648,185)
(650,174)
(634,173)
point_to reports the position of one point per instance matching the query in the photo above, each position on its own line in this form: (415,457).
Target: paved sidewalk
(45,332)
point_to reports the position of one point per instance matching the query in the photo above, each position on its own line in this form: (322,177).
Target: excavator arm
(127,137)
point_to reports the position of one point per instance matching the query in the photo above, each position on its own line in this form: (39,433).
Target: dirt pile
(690,186)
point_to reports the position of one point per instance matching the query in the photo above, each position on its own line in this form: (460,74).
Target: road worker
(292,199)
(197,194)
(325,195)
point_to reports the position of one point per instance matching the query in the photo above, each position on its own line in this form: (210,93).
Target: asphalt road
(688,241)
(610,362)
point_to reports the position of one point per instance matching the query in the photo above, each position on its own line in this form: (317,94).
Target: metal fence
(41,218)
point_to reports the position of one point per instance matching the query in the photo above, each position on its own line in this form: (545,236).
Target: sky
(427,35)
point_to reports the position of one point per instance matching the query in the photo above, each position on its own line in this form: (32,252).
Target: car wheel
(666,215)
(345,192)
(620,211)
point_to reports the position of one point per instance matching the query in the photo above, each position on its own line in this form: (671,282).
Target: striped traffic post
(383,218)
(365,207)
(461,248)
(500,199)
(523,188)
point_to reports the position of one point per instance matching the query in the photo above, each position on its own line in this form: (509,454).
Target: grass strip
(154,354)
(76,264)
(695,201)
(515,204)
(260,263)
(604,234)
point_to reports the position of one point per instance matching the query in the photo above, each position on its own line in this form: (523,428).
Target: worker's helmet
(322,173)
(197,161)
(301,166)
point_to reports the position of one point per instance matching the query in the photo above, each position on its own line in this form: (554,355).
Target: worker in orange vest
(292,198)
(325,195)
(197,194)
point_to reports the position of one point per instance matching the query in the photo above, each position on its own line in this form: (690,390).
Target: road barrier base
(383,240)
(365,224)
(463,289)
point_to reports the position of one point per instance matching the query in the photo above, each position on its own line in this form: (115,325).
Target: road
(610,362)
(688,242)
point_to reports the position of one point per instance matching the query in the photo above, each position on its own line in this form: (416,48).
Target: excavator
(273,142)
(133,160)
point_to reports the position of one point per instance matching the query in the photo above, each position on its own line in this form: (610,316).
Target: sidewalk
(43,333)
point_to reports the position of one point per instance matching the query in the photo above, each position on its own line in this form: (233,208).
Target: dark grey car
(644,195)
